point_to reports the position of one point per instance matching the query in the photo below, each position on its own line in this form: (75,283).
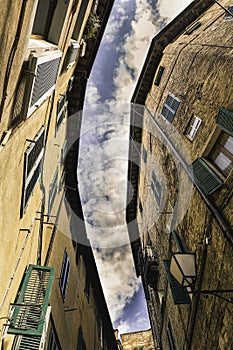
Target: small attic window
(192,28)
(227,14)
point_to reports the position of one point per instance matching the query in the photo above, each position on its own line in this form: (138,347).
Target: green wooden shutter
(30,310)
(205,177)
(27,342)
(225,120)
(177,241)
(179,293)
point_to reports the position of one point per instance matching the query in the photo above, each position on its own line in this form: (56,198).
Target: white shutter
(43,71)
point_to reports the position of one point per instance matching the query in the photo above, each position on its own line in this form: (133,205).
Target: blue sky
(104,148)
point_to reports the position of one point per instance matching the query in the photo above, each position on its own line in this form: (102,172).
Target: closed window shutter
(171,339)
(205,177)
(27,342)
(44,67)
(179,293)
(31,306)
(225,120)
(177,241)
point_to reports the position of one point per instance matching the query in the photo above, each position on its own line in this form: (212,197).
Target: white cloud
(118,278)
(170,9)
(135,47)
(104,140)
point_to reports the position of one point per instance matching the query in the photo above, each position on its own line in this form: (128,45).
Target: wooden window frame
(192,127)
(218,148)
(156,187)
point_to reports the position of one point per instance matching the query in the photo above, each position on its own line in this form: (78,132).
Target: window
(63,152)
(144,154)
(53,343)
(32,303)
(159,75)
(62,180)
(220,157)
(221,154)
(61,110)
(64,275)
(227,14)
(192,127)
(87,286)
(171,339)
(80,24)
(156,187)
(53,191)
(32,167)
(72,54)
(49,19)
(170,107)
(81,344)
(140,206)
(191,29)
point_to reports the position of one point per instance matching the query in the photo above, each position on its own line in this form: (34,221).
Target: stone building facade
(180,169)
(51,296)
(141,340)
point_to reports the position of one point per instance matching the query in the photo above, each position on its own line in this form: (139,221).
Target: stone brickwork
(142,340)
(175,214)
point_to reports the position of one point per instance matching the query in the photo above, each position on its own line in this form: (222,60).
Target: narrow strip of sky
(104,149)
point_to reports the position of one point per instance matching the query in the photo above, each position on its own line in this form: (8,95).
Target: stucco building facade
(51,296)
(180,169)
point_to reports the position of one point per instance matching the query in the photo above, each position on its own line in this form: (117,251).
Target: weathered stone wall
(142,340)
(197,73)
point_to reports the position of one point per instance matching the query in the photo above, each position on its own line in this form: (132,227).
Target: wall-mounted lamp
(183,269)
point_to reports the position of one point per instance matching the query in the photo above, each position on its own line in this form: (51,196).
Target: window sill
(37,44)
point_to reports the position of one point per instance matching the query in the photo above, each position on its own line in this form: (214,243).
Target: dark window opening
(159,75)
(170,107)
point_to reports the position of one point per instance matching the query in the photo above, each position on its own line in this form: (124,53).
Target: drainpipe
(227,230)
